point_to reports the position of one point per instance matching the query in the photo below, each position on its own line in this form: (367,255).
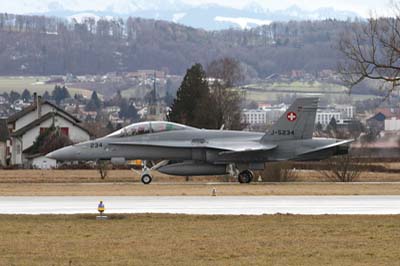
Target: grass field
(268,91)
(93,176)
(199,240)
(33,84)
(274,96)
(301,87)
(127,183)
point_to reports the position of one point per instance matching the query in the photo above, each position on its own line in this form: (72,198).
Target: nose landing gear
(146,179)
(146,176)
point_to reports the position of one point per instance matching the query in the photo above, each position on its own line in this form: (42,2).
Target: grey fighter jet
(187,151)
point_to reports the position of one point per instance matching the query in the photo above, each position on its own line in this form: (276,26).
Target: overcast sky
(362,7)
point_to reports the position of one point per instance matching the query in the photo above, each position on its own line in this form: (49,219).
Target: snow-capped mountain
(207,16)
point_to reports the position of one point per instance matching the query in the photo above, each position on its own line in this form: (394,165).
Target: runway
(219,205)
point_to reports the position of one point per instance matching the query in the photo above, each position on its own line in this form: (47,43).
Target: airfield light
(101,209)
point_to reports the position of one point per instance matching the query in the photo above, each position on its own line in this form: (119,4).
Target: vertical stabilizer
(296,123)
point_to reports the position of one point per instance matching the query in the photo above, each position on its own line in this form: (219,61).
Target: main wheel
(146,179)
(245,177)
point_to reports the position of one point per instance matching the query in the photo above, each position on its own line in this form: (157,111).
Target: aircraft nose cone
(63,154)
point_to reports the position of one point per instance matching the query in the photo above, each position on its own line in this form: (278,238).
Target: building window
(65,131)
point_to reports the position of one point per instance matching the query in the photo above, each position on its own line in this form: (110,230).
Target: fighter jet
(188,151)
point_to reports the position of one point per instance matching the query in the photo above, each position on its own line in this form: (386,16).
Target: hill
(37,45)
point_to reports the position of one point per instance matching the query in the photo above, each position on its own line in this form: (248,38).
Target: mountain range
(206,16)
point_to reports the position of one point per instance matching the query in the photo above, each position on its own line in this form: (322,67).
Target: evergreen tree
(94,103)
(60,93)
(46,96)
(117,98)
(65,93)
(123,106)
(191,106)
(128,111)
(319,127)
(332,127)
(110,127)
(26,95)
(14,96)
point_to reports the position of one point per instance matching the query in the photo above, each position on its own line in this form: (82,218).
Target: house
(4,141)
(392,124)
(377,121)
(26,125)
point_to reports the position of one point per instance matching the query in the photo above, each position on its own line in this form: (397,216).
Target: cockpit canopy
(147,128)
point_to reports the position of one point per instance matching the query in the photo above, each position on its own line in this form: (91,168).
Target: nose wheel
(245,177)
(146,179)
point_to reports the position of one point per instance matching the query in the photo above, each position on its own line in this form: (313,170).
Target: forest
(38,45)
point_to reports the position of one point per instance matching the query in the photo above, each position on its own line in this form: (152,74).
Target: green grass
(274,96)
(300,87)
(199,240)
(33,84)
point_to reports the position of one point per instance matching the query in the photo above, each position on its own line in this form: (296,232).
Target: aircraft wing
(225,146)
(327,146)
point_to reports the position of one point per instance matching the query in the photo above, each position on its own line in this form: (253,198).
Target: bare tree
(227,69)
(227,100)
(344,168)
(372,51)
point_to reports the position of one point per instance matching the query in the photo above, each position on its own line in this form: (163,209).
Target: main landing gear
(245,176)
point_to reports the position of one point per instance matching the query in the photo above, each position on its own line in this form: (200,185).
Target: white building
(4,142)
(255,117)
(325,116)
(392,124)
(26,125)
(347,111)
(266,115)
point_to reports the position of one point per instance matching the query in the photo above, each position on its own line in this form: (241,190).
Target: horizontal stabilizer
(249,150)
(336,144)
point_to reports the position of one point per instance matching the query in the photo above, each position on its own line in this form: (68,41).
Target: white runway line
(234,205)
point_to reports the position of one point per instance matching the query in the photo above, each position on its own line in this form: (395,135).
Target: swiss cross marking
(291,116)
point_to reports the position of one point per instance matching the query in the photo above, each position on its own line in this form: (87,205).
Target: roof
(378,117)
(388,112)
(4,134)
(32,108)
(37,122)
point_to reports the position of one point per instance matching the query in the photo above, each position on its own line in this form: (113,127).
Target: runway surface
(235,205)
